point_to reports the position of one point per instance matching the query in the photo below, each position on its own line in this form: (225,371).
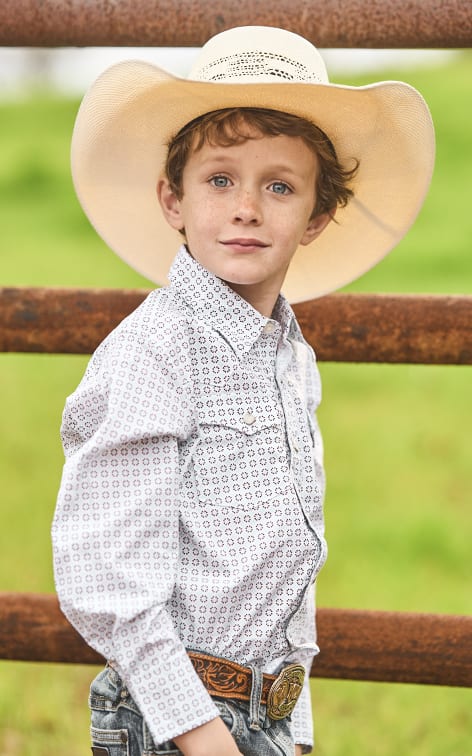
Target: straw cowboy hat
(131,112)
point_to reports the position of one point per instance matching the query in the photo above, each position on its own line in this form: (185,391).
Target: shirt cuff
(167,690)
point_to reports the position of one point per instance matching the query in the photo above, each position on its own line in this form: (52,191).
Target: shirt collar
(284,314)
(212,300)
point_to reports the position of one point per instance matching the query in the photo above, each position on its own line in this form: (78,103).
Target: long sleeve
(302,718)
(190,510)
(115,532)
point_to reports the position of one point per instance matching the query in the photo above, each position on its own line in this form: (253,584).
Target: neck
(262,301)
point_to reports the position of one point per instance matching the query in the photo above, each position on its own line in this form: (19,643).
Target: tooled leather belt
(227,679)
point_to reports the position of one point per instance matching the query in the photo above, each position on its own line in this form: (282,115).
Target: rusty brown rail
(169,23)
(341,327)
(357,645)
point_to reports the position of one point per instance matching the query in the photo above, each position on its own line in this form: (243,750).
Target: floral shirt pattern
(190,509)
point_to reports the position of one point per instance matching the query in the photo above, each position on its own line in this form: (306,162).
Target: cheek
(292,224)
(205,209)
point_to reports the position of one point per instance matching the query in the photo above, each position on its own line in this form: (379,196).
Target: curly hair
(229,126)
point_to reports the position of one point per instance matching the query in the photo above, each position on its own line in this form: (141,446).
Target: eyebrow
(222,157)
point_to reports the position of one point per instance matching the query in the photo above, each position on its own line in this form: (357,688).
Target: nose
(248,208)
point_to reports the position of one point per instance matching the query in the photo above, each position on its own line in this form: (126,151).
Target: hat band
(256,66)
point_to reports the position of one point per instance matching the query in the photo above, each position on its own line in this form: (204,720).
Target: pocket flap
(242,412)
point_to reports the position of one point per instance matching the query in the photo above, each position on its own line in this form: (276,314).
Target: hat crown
(259,54)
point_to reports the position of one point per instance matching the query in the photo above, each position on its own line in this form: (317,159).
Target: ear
(316,225)
(170,204)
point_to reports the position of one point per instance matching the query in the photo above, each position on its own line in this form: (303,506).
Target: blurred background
(397,438)
(72,70)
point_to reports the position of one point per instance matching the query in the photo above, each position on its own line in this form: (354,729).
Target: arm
(302,716)
(302,719)
(211,739)
(115,531)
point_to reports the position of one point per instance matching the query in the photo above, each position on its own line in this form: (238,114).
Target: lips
(245,243)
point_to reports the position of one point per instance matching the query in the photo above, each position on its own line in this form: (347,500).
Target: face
(245,209)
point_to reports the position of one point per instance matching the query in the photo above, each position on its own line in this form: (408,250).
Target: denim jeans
(118,728)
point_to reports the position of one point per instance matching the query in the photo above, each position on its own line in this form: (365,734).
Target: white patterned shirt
(190,509)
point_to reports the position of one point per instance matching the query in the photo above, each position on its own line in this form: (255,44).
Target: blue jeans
(118,728)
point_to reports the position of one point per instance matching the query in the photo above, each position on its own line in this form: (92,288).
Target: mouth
(244,244)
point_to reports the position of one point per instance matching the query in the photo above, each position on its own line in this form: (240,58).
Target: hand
(210,739)
(298,750)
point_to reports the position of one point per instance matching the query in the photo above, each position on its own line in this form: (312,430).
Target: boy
(189,529)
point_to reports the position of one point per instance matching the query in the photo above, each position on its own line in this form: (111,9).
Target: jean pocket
(280,735)
(112,742)
(163,749)
(230,716)
(105,691)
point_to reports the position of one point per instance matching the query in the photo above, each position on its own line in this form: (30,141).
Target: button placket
(269,327)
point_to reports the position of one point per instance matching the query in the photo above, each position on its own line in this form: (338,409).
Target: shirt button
(269,327)
(249,418)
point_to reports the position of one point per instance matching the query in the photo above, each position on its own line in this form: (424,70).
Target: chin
(241,278)
(236,281)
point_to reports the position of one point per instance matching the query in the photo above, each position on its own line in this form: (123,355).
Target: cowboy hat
(132,111)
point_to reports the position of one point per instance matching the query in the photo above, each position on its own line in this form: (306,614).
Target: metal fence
(362,645)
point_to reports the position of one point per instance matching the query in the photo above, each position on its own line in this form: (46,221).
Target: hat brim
(127,118)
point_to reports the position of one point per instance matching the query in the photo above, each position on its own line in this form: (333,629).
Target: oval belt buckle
(285,691)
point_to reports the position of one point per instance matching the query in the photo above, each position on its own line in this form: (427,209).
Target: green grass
(397,443)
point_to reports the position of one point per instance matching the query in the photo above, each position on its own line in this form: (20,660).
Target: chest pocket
(238,461)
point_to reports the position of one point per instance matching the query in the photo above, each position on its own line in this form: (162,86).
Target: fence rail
(361,645)
(341,327)
(169,23)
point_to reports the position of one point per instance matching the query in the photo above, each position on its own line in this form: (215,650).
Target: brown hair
(227,127)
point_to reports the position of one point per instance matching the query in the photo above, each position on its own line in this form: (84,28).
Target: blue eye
(279,187)
(221,182)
